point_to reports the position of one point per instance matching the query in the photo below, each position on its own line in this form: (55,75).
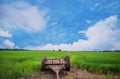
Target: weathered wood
(57,64)
(56,69)
(55,61)
(57,73)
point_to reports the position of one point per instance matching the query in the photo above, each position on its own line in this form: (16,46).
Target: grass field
(15,64)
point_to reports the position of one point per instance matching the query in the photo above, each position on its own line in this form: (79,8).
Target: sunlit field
(16,64)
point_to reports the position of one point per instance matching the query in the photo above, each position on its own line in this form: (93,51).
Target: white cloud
(5,33)
(97,4)
(9,44)
(82,31)
(88,21)
(23,15)
(41,1)
(102,36)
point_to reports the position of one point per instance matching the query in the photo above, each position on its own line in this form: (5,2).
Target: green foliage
(107,63)
(16,64)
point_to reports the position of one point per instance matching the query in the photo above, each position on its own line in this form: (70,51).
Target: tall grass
(15,64)
(107,63)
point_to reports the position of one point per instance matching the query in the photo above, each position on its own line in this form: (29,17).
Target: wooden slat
(55,61)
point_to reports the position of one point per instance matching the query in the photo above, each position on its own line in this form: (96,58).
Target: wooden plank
(55,61)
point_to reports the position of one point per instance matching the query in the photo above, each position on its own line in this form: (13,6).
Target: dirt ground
(75,73)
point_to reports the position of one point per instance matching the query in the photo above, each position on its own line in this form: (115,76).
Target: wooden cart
(56,64)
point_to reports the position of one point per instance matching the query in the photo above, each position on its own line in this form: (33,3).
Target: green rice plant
(16,64)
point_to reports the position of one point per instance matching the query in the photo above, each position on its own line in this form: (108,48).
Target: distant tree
(59,50)
(116,50)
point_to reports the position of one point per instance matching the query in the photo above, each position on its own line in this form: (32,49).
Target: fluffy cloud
(82,31)
(104,35)
(6,43)
(9,44)
(88,21)
(22,15)
(5,33)
(97,4)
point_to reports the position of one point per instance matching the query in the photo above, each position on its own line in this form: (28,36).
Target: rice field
(16,64)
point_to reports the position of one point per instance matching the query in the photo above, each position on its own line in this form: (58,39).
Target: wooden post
(57,74)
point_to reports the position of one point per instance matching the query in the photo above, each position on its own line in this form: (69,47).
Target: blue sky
(75,25)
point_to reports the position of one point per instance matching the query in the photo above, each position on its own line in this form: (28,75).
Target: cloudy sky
(75,25)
